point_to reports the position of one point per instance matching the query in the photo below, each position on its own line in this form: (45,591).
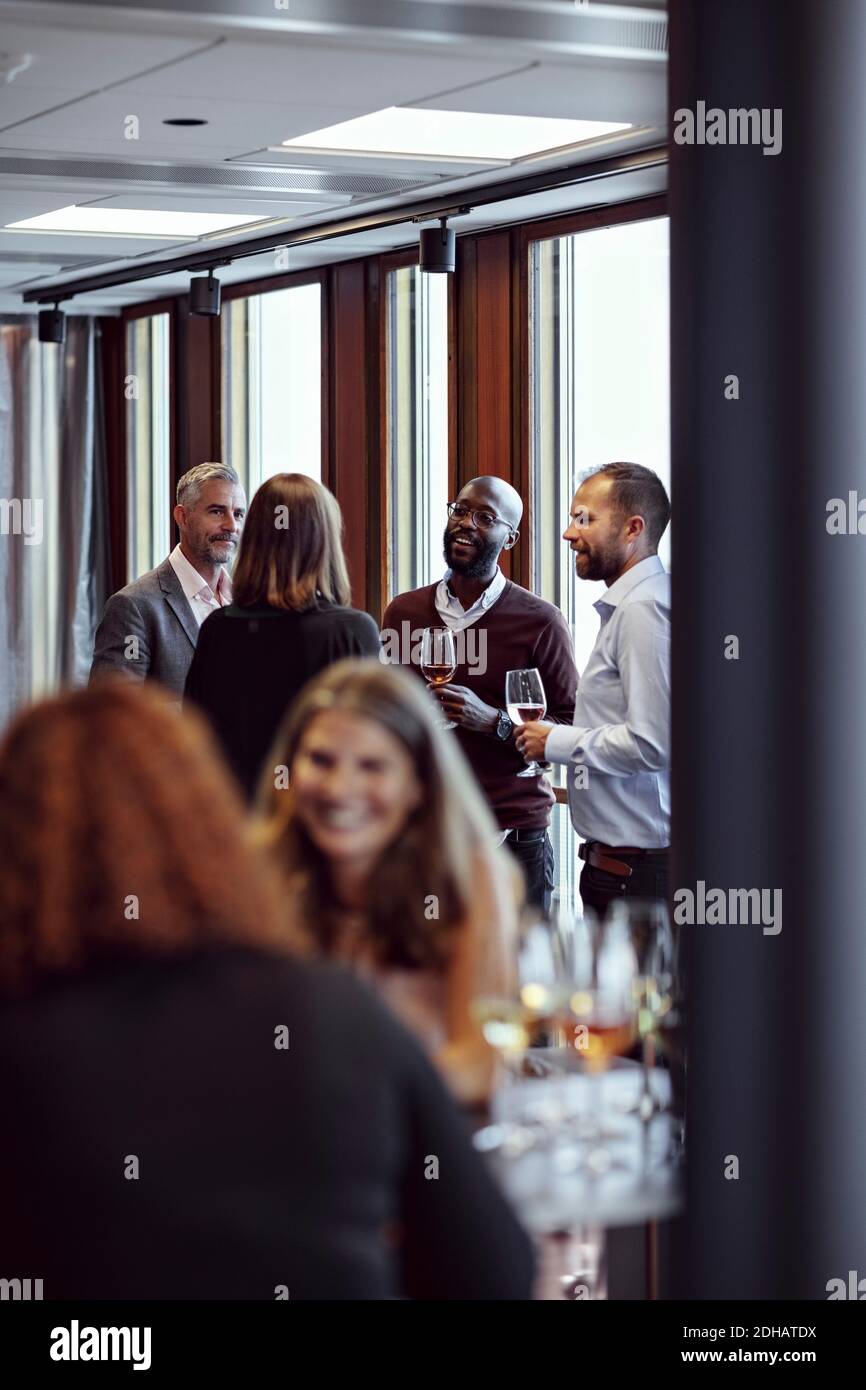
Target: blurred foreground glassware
(572,1264)
(567,1153)
(513,1024)
(649,927)
(596,1018)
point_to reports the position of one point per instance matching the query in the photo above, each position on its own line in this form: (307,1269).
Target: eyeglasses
(483,520)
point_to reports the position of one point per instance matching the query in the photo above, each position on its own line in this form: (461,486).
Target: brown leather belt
(604,857)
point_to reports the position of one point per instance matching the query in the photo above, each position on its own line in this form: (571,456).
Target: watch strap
(500,731)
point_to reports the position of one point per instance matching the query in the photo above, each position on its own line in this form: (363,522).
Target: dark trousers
(649,879)
(534,853)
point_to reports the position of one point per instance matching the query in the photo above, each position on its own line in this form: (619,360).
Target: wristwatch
(503,728)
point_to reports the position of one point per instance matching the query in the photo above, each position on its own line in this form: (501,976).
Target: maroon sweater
(518,631)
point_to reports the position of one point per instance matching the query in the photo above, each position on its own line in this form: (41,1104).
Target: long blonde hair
(435,857)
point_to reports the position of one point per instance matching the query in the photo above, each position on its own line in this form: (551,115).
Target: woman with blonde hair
(190,1110)
(289,618)
(391,855)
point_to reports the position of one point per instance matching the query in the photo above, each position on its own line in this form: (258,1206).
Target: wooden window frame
(545,229)
(488,417)
(291,279)
(399,260)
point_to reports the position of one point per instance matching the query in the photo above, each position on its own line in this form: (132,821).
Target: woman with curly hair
(391,856)
(190,1110)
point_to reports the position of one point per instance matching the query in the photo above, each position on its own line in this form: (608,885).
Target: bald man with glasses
(504,628)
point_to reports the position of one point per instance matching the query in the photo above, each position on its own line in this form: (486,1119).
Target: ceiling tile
(20,103)
(103,121)
(585,89)
(100,147)
(20,203)
(85,58)
(297,71)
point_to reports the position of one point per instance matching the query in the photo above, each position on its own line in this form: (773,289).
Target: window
(417,426)
(599,393)
(148,442)
(53,508)
(272,384)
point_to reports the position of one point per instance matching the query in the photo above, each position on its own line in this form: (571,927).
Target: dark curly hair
(122,835)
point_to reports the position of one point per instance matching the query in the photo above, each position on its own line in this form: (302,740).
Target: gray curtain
(54,549)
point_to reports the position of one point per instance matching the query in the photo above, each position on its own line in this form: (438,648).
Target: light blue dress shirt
(618,750)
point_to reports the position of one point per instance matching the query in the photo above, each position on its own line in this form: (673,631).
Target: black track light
(204,295)
(437,249)
(52,325)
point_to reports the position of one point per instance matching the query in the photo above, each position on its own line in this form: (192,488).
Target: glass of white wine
(518,1027)
(525,701)
(513,1023)
(649,927)
(597,1017)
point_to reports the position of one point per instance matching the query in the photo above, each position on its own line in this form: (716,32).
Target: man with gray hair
(149,629)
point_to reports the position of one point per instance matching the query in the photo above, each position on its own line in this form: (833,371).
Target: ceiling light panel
(114,221)
(471,135)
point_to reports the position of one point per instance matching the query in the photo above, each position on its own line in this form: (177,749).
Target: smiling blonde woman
(392,858)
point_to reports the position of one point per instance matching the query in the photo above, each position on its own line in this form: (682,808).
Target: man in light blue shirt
(618,749)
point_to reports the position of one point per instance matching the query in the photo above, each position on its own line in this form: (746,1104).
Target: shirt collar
(487,597)
(224,587)
(644,569)
(192,583)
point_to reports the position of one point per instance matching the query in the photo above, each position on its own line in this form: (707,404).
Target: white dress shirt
(451,610)
(618,750)
(455,616)
(199,594)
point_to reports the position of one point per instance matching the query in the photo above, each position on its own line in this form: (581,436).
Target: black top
(258,1167)
(250,663)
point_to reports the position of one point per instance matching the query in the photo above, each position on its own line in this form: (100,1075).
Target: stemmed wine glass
(439,661)
(525,700)
(648,925)
(514,1023)
(597,1016)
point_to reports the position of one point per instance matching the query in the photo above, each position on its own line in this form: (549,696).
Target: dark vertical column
(196,348)
(377,500)
(486,364)
(111,358)
(768,262)
(466,402)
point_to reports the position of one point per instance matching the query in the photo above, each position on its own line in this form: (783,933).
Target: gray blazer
(148,631)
